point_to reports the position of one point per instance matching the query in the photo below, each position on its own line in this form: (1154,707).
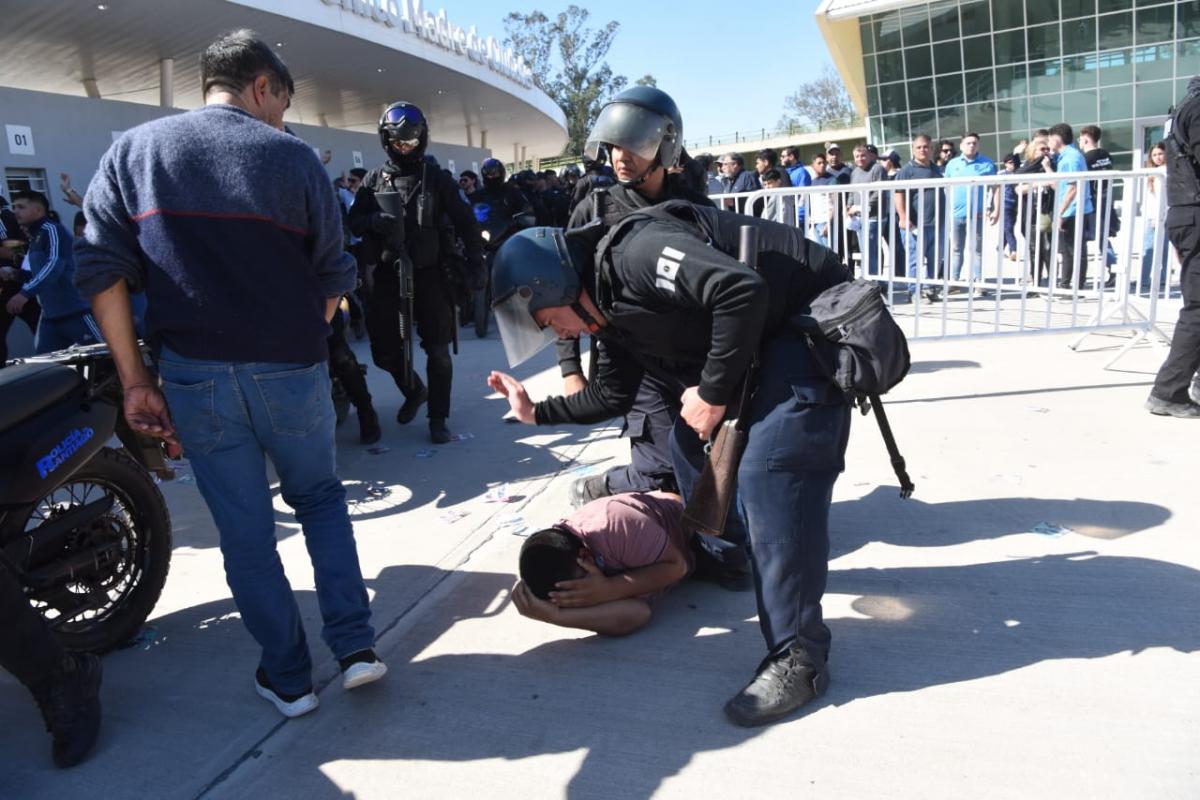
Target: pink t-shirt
(631,530)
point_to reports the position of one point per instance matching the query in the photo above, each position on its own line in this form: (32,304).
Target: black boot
(412,403)
(782,684)
(70,705)
(585,490)
(368,426)
(438,432)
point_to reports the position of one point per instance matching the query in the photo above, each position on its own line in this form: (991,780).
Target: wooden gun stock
(709,502)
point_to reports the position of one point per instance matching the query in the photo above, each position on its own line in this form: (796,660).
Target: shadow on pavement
(641,708)
(882,516)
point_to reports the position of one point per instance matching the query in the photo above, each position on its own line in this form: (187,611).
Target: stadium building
(1005,67)
(75,74)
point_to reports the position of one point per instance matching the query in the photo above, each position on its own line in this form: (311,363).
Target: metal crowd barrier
(950,277)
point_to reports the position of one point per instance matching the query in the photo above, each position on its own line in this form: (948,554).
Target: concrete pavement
(1025,626)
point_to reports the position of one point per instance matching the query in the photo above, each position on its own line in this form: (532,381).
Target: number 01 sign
(20,140)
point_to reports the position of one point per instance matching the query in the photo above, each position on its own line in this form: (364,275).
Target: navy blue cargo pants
(799,427)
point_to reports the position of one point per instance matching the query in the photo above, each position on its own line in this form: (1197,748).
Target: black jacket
(494,207)
(422,235)
(611,203)
(680,305)
(1183,150)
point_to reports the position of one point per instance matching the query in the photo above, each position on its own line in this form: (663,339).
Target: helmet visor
(629,127)
(523,338)
(402,114)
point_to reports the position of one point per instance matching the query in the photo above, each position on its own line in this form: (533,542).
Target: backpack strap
(889,441)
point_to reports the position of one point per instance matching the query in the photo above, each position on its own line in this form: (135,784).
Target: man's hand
(574,383)
(591,590)
(514,392)
(146,412)
(993,217)
(16,303)
(699,415)
(530,605)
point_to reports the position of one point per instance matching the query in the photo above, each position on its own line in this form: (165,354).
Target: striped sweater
(231,228)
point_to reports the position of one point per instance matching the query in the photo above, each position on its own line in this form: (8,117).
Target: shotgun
(708,505)
(393,203)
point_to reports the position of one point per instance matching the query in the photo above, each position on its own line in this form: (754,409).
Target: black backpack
(862,350)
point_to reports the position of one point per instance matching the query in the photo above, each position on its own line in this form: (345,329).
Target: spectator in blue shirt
(1074,205)
(790,160)
(967,205)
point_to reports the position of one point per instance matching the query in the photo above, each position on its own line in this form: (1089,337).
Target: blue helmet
(536,268)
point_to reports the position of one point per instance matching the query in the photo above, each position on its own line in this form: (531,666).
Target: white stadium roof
(347,65)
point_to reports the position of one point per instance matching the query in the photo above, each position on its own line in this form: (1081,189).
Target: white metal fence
(997,255)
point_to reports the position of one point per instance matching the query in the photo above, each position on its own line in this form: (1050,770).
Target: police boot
(782,684)
(369,431)
(438,431)
(585,490)
(70,705)
(414,398)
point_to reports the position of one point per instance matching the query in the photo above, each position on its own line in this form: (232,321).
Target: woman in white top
(1153,214)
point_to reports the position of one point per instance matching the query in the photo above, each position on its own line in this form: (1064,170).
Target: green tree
(567,59)
(819,104)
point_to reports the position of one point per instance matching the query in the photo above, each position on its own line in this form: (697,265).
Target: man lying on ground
(601,568)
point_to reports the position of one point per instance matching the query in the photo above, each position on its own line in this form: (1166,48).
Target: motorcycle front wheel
(110,572)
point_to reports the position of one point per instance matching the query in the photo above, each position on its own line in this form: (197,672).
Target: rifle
(708,505)
(393,203)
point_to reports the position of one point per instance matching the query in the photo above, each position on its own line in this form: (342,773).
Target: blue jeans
(1148,260)
(59,334)
(869,238)
(922,242)
(230,417)
(961,233)
(820,232)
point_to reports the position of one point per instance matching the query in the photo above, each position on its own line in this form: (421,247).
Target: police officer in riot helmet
(641,130)
(429,195)
(662,294)
(497,202)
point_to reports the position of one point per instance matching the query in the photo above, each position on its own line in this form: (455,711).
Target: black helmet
(570,171)
(536,268)
(492,172)
(643,119)
(403,123)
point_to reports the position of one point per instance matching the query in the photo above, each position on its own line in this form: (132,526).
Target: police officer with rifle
(398,210)
(663,294)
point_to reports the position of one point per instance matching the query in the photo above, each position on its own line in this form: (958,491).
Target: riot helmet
(403,124)
(644,120)
(493,173)
(536,268)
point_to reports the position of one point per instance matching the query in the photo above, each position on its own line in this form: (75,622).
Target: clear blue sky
(728,65)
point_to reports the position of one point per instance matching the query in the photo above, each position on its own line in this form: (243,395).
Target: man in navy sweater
(242,265)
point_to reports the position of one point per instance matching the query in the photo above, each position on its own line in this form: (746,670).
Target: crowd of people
(633,247)
(939,233)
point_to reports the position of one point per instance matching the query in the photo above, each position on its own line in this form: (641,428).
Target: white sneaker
(288,705)
(361,668)
(1194,389)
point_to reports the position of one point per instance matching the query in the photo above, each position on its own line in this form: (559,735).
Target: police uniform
(649,421)
(1171,385)
(679,306)
(430,196)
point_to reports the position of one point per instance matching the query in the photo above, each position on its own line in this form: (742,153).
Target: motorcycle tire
(133,580)
(482,310)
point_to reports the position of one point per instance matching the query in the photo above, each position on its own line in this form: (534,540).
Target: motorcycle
(82,523)
(495,233)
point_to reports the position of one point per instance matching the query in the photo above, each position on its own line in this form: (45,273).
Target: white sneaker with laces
(361,668)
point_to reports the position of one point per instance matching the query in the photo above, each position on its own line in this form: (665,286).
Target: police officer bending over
(427,194)
(663,296)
